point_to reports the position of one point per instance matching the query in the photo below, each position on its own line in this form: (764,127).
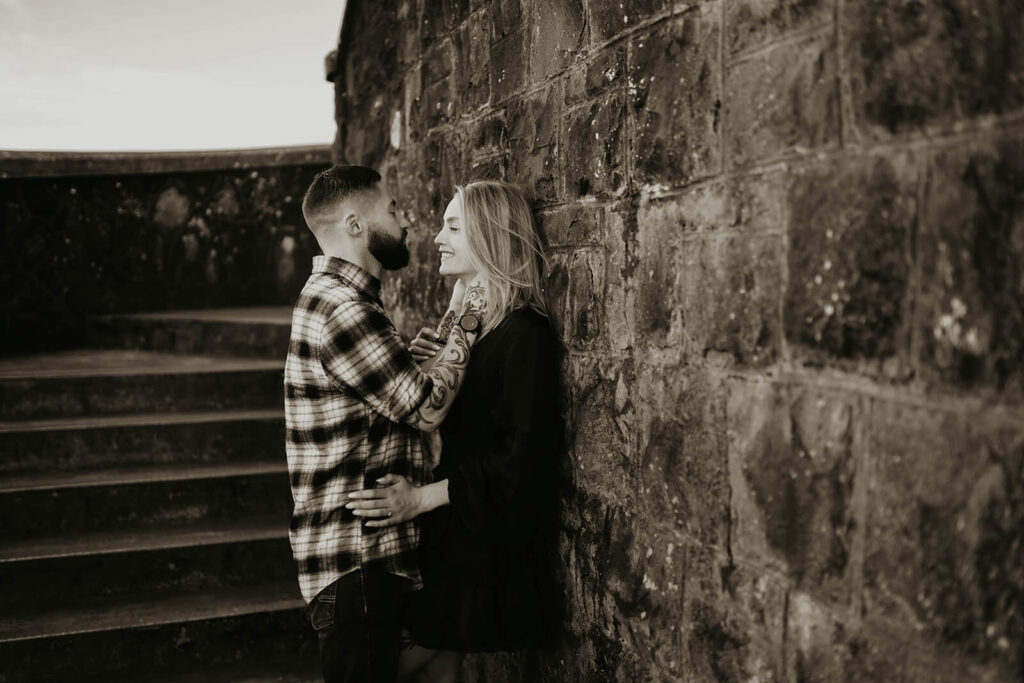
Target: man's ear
(351,222)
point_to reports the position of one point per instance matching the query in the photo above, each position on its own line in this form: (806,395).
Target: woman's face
(452,244)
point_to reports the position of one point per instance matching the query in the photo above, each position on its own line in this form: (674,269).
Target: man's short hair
(336,184)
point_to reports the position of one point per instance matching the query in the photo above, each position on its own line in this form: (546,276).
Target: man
(354,400)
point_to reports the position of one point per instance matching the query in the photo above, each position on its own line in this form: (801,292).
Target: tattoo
(476,299)
(444,328)
(447,375)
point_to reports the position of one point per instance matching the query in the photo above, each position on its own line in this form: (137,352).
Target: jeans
(358,623)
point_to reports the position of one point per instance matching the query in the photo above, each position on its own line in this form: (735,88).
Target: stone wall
(88,234)
(787,245)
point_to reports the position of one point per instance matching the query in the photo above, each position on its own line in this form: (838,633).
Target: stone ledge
(45,164)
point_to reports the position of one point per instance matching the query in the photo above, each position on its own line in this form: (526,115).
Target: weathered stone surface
(576,291)
(850,232)
(473,66)
(593,152)
(707,294)
(752,23)
(823,647)
(943,545)
(682,442)
(971,307)
(602,413)
(729,291)
(782,101)
(675,85)
(793,454)
(605,71)
(533,130)
(508,65)
(738,275)
(573,225)
(611,17)
(557,33)
(181,240)
(917,64)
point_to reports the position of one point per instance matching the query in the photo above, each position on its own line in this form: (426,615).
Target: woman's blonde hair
(504,246)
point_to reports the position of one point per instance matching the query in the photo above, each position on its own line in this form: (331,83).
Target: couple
(406,569)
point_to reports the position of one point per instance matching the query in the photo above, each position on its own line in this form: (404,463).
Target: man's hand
(425,346)
(397,501)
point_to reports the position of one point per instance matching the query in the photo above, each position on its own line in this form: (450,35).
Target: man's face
(452,244)
(385,233)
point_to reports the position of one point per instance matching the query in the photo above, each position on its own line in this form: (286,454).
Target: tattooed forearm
(444,328)
(447,375)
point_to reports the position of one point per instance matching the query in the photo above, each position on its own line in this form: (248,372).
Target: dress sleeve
(499,490)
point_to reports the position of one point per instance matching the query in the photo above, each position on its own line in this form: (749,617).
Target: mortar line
(996,413)
(803,34)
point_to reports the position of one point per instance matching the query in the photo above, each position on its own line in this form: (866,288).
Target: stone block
(573,225)
(438,62)
(605,71)
(593,152)
(682,442)
(408,32)
(675,88)
(608,18)
(438,103)
(473,63)
(753,23)
(507,17)
(508,66)
(533,130)
(599,587)
(664,563)
(822,647)
(914,65)
(575,289)
(702,294)
(730,288)
(783,101)
(970,312)
(851,226)
(793,454)
(440,17)
(942,547)
(751,628)
(557,34)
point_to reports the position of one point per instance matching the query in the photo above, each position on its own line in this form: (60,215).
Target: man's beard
(390,252)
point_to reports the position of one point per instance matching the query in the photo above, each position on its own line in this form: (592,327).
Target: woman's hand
(424,346)
(397,501)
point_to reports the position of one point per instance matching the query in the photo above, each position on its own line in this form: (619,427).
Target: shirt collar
(350,272)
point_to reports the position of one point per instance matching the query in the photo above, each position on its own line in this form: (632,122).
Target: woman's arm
(398,500)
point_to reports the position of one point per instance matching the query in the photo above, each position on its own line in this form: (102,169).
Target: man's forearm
(447,375)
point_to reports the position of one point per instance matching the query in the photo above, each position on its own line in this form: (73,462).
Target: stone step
(176,570)
(132,499)
(260,528)
(258,331)
(234,634)
(89,443)
(82,383)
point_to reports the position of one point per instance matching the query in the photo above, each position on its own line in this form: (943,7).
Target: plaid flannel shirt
(349,384)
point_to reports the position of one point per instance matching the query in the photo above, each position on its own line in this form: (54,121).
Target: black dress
(480,555)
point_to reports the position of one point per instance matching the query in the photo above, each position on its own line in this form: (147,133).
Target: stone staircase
(144,506)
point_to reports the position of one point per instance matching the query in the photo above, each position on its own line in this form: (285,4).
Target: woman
(482,520)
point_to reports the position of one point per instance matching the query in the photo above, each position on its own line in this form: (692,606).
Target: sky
(159,75)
